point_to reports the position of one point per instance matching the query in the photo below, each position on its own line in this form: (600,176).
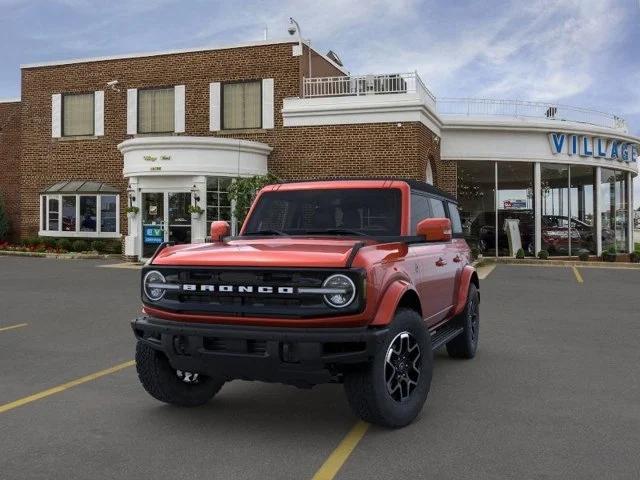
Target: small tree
(4,221)
(243,190)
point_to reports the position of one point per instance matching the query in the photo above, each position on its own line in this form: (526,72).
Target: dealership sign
(597,147)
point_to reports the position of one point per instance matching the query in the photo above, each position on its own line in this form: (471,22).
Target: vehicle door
(425,267)
(460,248)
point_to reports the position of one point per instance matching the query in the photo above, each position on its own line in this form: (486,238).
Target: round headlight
(340,291)
(152,284)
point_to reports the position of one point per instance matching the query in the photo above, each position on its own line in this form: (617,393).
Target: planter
(131,215)
(196,216)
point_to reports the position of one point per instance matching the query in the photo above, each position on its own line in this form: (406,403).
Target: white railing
(518,108)
(392,83)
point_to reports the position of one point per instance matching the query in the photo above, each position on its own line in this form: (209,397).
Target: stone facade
(383,149)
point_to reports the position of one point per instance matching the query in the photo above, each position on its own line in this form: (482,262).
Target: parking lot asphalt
(552,393)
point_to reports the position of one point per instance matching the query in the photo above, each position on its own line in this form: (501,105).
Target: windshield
(357,211)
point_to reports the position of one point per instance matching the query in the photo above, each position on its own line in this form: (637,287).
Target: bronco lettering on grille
(191,287)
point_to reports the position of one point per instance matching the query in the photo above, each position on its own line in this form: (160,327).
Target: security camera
(292,29)
(112,85)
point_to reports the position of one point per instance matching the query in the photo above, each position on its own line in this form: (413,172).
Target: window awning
(79,187)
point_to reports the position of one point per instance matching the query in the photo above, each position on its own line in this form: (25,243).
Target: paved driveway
(553,392)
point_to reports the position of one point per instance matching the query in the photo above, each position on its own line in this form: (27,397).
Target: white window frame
(78,233)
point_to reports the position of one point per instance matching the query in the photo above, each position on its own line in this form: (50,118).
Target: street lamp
(195,194)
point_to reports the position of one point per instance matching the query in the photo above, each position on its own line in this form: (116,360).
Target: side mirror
(434,229)
(219,230)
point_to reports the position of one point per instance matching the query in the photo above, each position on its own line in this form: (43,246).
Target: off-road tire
(160,380)
(366,387)
(465,345)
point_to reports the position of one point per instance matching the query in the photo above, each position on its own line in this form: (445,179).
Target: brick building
(163,131)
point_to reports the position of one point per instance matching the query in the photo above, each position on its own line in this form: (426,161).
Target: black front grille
(235,302)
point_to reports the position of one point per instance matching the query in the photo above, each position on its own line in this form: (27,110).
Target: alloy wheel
(402,366)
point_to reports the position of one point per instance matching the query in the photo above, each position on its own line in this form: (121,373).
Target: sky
(576,52)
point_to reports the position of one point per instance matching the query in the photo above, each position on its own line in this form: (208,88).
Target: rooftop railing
(524,109)
(403,83)
(392,83)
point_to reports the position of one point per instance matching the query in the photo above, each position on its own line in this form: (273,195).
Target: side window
(419,210)
(437,208)
(454,215)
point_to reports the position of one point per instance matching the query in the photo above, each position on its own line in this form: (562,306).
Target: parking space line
(333,464)
(577,274)
(485,270)
(61,388)
(11,327)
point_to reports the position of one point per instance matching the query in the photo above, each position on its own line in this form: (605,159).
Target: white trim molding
(393,108)
(267,103)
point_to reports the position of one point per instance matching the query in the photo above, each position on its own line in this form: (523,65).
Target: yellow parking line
(577,274)
(334,463)
(11,327)
(60,388)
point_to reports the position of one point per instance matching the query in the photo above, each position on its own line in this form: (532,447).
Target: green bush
(30,241)
(113,247)
(520,253)
(64,244)
(4,222)
(634,257)
(48,242)
(543,254)
(243,190)
(98,246)
(79,245)
(584,256)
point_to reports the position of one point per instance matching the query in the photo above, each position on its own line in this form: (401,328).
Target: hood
(263,252)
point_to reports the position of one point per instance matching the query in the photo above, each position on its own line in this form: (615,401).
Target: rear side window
(454,216)
(419,210)
(437,208)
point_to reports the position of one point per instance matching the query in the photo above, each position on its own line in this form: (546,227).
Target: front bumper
(298,356)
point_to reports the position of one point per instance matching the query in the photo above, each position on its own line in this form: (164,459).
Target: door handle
(441,262)
(457,259)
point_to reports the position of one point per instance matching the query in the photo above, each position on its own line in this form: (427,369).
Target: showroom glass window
(554,190)
(516,219)
(476,201)
(218,203)
(582,200)
(156,110)
(78,114)
(78,215)
(614,210)
(242,105)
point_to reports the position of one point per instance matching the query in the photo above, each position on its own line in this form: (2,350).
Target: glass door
(153,222)
(179,220)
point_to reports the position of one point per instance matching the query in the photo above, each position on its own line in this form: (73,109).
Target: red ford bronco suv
(351,281)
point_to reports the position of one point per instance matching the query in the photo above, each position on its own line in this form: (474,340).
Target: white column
(132,247)
(199,225)
(537,199)
(630,211)
(598,215)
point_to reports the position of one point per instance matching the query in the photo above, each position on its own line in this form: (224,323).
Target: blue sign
(598,147)
(153,235)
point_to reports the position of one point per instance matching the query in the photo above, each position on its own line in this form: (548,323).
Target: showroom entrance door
(165,218)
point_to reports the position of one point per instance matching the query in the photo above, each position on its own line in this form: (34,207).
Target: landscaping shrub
(475,252)
(520,253)
(30,241)
(64,244)
(610,254)
(4,221)
(584,256)
(634,257)
(79,245)
(113,246)
(98,246)
(48,242)
(543,254)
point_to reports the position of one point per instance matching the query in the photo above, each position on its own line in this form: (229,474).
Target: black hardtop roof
(413,184)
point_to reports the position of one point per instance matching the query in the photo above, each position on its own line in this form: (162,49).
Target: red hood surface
(263,252)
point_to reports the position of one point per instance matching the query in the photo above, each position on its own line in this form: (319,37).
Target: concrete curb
(564,263)
(61,256)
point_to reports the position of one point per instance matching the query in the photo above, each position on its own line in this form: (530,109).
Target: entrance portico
(168,174)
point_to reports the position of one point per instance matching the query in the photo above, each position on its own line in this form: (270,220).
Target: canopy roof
(81,186)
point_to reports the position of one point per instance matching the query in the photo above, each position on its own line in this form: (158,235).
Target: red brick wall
(9,161)
(298,152)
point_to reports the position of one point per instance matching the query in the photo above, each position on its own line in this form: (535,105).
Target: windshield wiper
(337,231)
(268,232)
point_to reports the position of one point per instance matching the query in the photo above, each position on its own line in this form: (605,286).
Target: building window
(156,110)
(614,210)
(476,197)
(78,114)
(78,215)
(516,215)
(242,105)
(218,203)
